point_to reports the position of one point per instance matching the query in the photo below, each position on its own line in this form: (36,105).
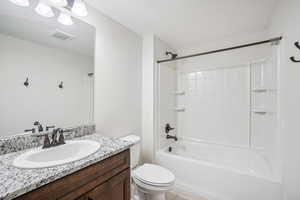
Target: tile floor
(174,196)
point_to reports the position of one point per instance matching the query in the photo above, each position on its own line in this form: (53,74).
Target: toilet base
(139,194)
(144,196)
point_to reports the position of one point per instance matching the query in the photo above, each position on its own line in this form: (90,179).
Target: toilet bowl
(150,181)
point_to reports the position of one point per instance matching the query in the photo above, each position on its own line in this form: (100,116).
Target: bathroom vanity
(103,175)
(106,180)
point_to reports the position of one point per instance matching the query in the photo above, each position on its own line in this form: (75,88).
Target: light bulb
(44,10)
(65,19)
(23,3)
(60,3)
(79,8)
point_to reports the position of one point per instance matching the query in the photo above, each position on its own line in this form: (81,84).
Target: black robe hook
(26,83)
(294,59)
(61,85)
(297,44)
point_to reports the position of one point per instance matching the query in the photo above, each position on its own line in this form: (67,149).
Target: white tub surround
(224,109)
(221,173)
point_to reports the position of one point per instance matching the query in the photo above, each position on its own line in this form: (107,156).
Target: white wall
(118,77)
(286,23)
(167,80)
(165,86)
(153,49)
(148,98)
(42,101)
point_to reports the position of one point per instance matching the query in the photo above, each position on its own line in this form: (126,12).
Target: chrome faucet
(46,142)
(55,139)
(58,140)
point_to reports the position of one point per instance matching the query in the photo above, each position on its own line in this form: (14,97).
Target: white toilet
(151,181)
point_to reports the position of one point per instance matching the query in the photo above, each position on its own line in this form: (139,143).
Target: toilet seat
(146,188)
(153,175)
(151,184)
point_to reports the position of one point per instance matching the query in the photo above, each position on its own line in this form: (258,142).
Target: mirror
(46,70)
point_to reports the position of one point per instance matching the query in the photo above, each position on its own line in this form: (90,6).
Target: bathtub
(220,172)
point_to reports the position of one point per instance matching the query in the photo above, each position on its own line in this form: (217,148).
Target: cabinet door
(117,188)
(81,182)
(84,197)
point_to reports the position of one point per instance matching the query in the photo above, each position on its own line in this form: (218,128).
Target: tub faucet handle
(168,128)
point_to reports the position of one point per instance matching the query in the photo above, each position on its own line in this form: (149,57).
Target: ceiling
(26,24)
(189,22)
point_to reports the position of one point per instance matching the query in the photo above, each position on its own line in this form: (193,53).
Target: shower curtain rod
(221,50)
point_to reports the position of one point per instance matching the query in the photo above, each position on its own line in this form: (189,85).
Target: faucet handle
(49,127)
(61,139)
(47,143)
(168,128)
(30,130)
(54,141)
(39,126)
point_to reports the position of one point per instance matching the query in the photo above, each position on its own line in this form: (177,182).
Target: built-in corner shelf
(179,109)
(179,92)
(262,111)
(263,90)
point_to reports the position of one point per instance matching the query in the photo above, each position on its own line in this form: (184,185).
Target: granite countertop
(15,181)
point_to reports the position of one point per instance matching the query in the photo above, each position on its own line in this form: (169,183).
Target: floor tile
(170,196)
(180,197)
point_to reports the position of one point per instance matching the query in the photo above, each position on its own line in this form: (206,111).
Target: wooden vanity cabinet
(114,189)
(106,180)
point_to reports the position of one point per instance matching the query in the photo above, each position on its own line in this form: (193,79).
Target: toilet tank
(134,149)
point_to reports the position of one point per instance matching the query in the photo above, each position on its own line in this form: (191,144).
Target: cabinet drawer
(75,185)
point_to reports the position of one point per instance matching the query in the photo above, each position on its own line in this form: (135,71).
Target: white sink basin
(69,152)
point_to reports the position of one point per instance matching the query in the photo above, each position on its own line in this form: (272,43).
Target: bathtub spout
(172,137)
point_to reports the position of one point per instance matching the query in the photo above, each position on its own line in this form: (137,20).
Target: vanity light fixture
(23,3)
(44,10)
(79,8)
(59,3)
(65,19)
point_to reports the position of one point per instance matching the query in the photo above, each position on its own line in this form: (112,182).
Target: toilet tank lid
(131,138)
